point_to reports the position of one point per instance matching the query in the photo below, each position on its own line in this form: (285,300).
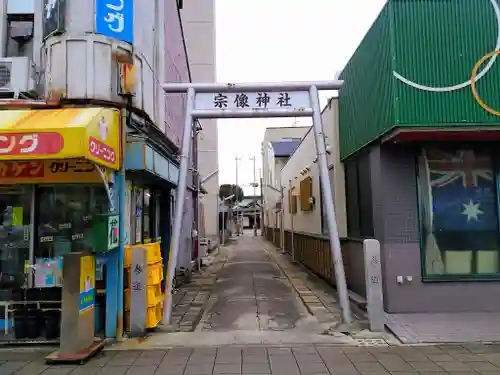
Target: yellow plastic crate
(154,316)
(153,295)
(126,299)
(153,253)
(155,273)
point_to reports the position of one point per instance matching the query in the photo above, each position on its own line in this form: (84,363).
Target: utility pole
(236,190)
(254,195)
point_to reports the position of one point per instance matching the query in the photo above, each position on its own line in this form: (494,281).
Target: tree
(226,190)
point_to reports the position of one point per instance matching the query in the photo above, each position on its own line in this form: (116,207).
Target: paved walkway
(252,293)
(445,327)
(298,360)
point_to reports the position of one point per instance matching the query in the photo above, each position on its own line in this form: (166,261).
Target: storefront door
(15,228)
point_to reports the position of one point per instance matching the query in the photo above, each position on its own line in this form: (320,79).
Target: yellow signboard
(67,133)
(87,283)
(49,171)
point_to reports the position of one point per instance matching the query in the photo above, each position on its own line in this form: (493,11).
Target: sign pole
(179,206)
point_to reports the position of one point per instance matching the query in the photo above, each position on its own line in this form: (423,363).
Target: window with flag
(459,212)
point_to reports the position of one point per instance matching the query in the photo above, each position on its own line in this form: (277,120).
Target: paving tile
(113,370)
(32,368)
(141,370)
(441,357)
(453,366)
(363,367)
(194,369)
(255,359)
(279,351)
(169,369)
(482,366)
(85,371)
(227,368)
(362,358)
(256,368)
(425,366)
(148,361)
(57,370)
(308,358)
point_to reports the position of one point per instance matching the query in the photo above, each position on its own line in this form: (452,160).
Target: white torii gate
(255,100)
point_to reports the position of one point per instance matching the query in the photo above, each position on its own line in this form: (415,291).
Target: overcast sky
(280,40)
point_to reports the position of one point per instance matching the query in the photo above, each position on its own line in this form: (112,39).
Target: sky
(280,40)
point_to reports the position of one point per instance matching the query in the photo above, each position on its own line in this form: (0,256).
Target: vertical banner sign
(87,283)
(115,19)
(113,223)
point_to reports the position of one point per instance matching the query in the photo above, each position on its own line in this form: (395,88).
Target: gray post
(291,219)
(179,206)
(138,289)
(338,263)
(373,280)
(254,195)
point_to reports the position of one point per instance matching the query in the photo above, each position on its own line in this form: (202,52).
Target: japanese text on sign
(30,143)
(77,166)
(114,18)
(21,169)
(101,150)
(253,100)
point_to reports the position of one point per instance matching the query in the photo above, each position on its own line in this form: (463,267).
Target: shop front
(57,196)
(151,180)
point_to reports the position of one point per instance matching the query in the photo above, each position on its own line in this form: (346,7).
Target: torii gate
(255,100)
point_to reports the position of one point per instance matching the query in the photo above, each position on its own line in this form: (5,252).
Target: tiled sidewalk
(302,360)
(190,299)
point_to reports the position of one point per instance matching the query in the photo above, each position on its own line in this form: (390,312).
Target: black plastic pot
(52,324)
(20,325)
(33,324)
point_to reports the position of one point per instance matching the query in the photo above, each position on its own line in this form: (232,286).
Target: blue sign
(115,19)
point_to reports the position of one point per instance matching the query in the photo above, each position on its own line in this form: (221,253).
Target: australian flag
(464,200)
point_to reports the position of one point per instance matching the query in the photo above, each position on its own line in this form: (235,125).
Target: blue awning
(140,156)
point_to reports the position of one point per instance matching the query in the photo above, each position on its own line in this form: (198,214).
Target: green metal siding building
(422,156)
(413,70)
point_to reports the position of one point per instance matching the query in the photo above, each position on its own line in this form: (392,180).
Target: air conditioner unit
(16,75)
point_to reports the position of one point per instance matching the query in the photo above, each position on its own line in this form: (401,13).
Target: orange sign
(48,171)
(67,133)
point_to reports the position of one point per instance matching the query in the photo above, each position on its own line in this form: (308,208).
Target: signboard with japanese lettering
(49,171)
(115,19)
(258,101)
(67,133)
(113,234)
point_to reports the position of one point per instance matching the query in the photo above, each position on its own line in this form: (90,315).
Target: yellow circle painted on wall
(473,79)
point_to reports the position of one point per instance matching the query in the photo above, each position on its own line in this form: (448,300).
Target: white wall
(304,156)
(270,197)
(199,30)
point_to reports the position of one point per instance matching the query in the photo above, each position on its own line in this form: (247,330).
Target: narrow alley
(250,293)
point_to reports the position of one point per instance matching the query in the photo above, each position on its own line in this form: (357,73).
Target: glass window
(459,212)
(15,225)
(147,216)
(64,218)
(138,200)
(157,233)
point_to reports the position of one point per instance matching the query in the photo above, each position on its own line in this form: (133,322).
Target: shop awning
(67,133)
(141,157)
